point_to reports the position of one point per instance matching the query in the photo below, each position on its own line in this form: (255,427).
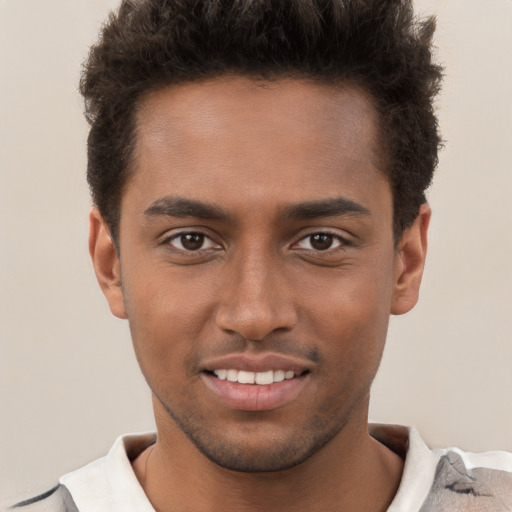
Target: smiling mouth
(260,378)
(261,390)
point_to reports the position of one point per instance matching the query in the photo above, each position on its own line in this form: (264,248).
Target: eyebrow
(326,208)
(180,207)
(170,206)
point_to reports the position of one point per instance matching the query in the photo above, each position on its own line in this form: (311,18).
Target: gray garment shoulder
(459,489)
(57,499)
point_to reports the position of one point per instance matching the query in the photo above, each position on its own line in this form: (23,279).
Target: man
(258,172)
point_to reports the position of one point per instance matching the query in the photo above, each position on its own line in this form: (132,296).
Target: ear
(106,263)
(410,262)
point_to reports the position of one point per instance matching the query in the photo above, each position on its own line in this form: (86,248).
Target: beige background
(69,383)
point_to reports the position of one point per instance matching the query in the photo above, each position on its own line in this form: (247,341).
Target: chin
(256,448)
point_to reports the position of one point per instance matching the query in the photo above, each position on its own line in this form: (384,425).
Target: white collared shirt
(432,481)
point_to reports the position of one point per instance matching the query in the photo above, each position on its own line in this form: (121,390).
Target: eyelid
(172,235)
(343,241)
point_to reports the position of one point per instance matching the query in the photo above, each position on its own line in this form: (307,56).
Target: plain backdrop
(69,383)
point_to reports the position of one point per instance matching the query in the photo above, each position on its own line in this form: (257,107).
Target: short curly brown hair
(378,45)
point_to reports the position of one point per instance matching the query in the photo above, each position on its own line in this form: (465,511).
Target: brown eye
(321,241)
(191,241)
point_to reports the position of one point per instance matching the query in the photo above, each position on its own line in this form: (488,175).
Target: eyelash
(341,242)
(177,236)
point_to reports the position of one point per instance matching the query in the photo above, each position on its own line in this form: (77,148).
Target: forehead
(285,137)
(213,104)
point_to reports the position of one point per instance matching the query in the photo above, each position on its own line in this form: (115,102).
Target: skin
(266,276)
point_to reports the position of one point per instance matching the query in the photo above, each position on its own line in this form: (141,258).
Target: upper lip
(258,363)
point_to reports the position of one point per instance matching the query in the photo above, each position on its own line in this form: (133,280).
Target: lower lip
(255,397)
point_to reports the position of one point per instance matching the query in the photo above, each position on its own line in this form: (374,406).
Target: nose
(256,299)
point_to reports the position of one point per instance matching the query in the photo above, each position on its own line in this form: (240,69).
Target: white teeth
(246,377)
(264,377)
(261,378)
(278,376)
(232,375)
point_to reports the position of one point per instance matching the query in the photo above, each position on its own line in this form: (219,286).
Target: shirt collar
(109,483)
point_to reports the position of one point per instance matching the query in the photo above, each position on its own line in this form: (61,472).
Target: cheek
(357,294)
(351,313)
(166,314)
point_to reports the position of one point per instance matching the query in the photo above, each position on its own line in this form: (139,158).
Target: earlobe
(106,263)
(410,262)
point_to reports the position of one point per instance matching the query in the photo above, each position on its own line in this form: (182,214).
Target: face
(257,265)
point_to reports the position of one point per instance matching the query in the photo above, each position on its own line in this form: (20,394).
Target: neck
(352,472)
